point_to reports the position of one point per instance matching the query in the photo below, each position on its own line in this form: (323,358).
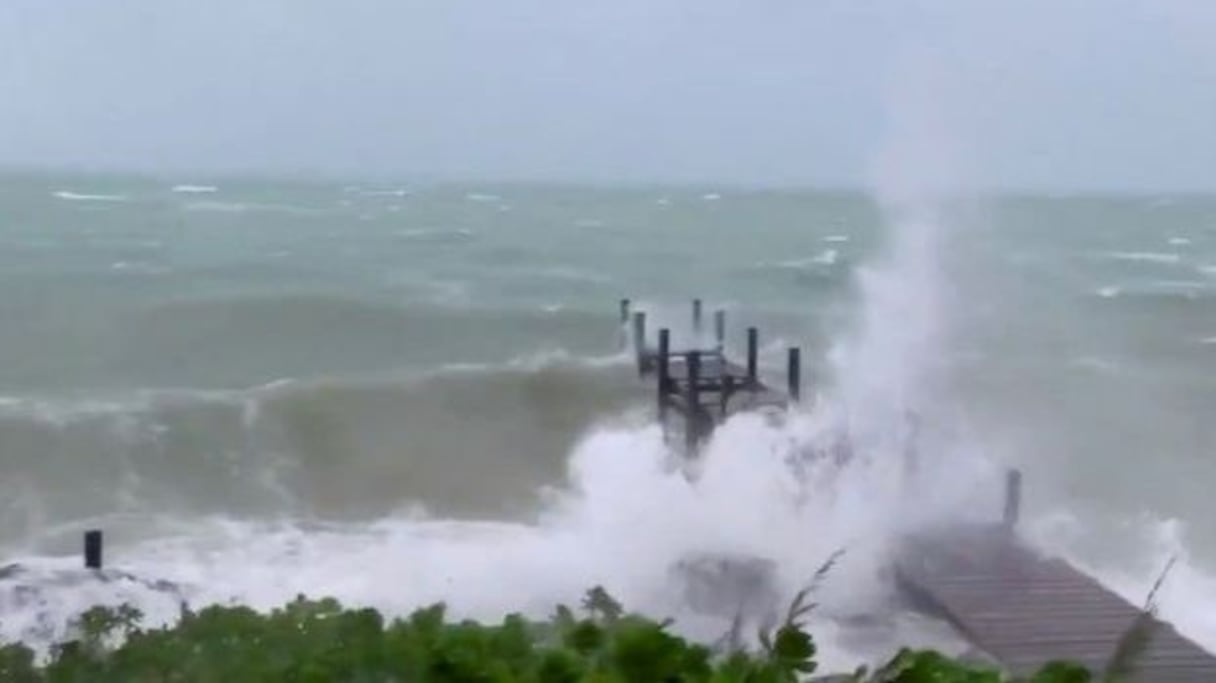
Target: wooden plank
(1024,609)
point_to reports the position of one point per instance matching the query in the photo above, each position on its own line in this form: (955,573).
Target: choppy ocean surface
(403,394)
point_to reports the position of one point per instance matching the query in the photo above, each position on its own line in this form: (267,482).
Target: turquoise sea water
(241,369)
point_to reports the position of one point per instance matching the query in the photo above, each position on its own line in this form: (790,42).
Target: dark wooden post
(92,549)
(720,329)
(696,316)
(639,340)
(1013,498)
(727,388)
(753,341)
(795,374)
(692,417)
(624,335)
(663,372)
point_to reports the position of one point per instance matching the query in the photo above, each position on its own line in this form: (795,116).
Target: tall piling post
(794,374)
(663,370)
(720,330)
(92,549)
(624,334)
(696,317)
(639,340)
(753,343)
(1013,498)
(692,413)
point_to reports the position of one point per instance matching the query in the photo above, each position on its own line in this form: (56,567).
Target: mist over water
(398,395)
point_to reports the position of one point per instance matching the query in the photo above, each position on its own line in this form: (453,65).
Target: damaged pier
(702,386)
(1016,606)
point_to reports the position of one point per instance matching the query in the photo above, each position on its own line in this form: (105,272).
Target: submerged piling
(92,549)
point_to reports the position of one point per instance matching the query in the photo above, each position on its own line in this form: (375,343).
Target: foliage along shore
(320,640)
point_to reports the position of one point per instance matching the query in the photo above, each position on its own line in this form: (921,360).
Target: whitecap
(482,197)
(1144,256)
(195,189)
(837,239)
(218,207)
(711,196)
(85,197)
(1109,292)
(1179,241)
(398,192)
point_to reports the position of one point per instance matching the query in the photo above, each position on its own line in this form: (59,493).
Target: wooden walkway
(1023,609)
(1017,607)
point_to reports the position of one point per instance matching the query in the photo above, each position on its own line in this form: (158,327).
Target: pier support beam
(696,317)
(692,413)
(639,340)
(1013,498)
(794,374)
(664,372)
(92,549)
(720,329)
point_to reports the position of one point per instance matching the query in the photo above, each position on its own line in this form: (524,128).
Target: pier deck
(1023,609)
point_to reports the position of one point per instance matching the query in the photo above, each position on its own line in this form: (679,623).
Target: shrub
(311,641)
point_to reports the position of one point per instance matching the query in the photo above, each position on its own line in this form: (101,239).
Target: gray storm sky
(1068,94)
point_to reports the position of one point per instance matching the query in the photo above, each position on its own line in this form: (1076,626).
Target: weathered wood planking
(1023,609)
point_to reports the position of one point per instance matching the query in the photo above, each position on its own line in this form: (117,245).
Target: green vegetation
(314,641)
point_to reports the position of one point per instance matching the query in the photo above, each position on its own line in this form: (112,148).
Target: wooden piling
(1013,498)
(664,372)
(92,549)
(639,340)
(727,388)
(753,343)
(696,317)
(720,329)
(692,413)
(794,374)
(623,336)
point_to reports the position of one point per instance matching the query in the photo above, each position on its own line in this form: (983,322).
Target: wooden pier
(1014,605)
(1022,609)
(701,386)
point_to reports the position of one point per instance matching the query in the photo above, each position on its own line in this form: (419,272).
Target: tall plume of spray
(889,393)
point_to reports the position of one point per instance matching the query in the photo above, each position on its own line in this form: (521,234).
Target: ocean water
(403,394)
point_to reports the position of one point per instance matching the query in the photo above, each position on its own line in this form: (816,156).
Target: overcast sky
(1068,94)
